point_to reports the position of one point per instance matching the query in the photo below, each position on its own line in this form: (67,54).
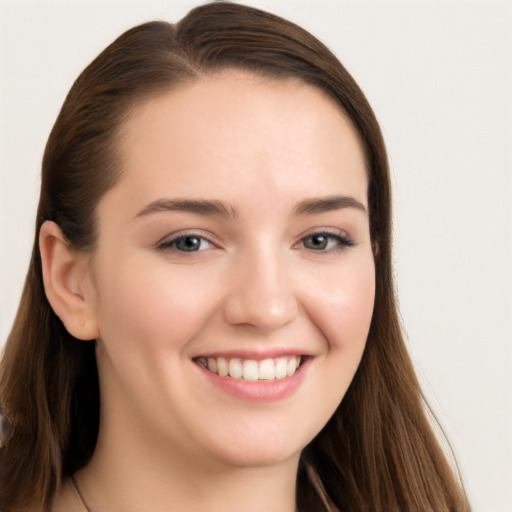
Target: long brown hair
(378,452)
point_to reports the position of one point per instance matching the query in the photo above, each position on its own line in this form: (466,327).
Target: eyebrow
(326,204)
(198,206)
(212,207)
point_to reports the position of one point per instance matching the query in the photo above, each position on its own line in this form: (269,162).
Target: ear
(67,283)
(375,249)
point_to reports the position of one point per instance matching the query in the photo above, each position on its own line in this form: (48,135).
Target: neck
(125,474)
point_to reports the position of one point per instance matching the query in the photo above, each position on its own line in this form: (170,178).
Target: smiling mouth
(252,370)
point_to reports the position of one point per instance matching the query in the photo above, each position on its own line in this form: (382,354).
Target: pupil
(318,242)
(189,243)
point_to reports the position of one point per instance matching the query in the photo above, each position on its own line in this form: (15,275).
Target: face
(233,277)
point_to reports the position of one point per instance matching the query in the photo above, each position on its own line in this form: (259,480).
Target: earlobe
(375,249)
(64,277)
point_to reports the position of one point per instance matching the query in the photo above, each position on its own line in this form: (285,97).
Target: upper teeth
(251,369)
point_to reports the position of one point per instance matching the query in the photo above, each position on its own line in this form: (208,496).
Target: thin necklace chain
(79,496)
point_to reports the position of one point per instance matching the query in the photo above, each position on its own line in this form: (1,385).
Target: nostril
(262,292)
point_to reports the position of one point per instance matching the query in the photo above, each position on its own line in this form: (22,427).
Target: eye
(186,243)
(326,241)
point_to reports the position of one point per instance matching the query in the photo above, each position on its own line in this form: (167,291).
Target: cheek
(149,307)
(343,311)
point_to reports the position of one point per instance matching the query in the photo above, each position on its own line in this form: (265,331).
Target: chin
(256,458)
(265,448)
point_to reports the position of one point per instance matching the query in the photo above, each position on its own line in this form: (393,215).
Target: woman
(209,320)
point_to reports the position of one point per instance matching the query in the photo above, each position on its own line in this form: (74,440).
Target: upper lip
(258,354)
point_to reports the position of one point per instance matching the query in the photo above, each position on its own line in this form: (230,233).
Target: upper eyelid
(210,238)
(323,230)
(188,232)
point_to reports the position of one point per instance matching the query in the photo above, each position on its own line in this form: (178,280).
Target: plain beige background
(439,75)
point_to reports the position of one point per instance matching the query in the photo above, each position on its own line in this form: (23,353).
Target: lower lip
(260,390)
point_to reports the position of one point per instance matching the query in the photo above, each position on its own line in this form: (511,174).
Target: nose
(261,294)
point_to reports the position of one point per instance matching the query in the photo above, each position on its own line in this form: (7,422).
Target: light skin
(239,228)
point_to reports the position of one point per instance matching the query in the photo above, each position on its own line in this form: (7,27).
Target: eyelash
(341,240)
(171,244)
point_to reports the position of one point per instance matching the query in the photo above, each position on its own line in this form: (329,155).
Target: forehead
(276,134)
